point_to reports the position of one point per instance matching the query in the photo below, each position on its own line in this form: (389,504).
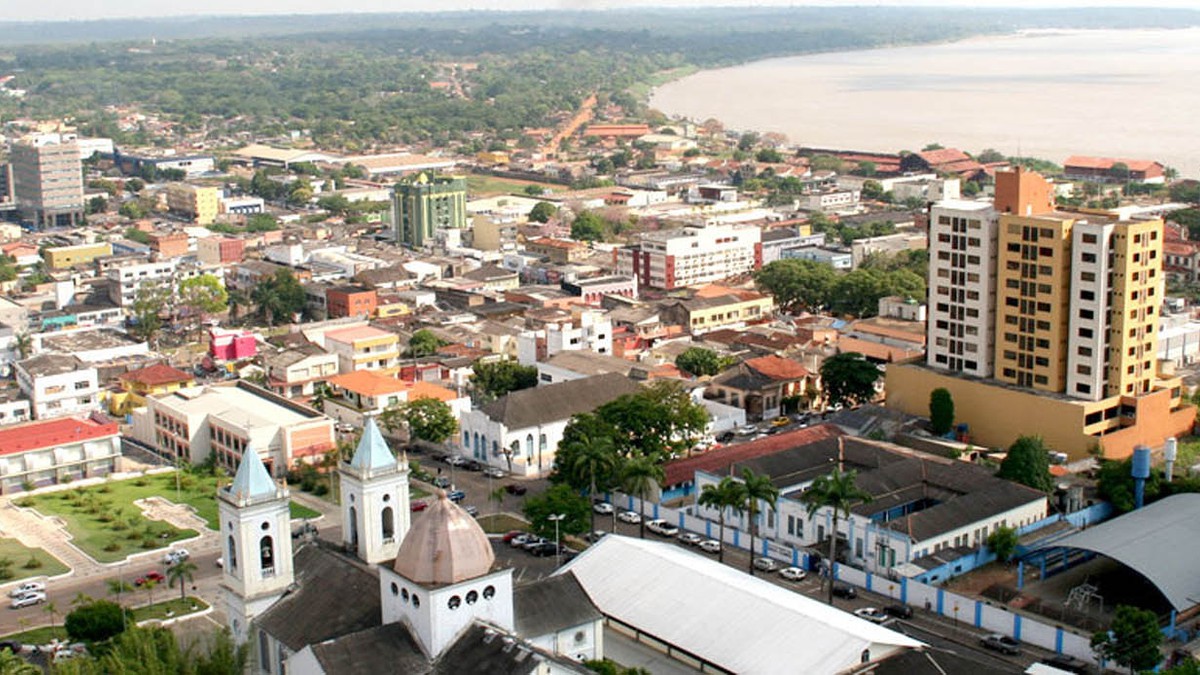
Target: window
(389,525)
(489,592)
(472,597)
(231,554)
(266,556)
(264,651)
(455,602)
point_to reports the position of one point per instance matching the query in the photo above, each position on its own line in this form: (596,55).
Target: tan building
(364,348)
(47,182)
(714,307)
(200,204)
(63,257)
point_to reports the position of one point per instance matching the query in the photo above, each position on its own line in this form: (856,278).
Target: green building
(424,204)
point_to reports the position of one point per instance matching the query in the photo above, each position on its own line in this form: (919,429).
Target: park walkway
(37,531)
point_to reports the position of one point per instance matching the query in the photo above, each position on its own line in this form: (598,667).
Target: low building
(58,384)
(220,250)
(779,239)
(169,244)
(138,385)
(225,419)
(295,373)
(715,307)
(494,278)
(63,257)
(558,251)
(367,393)
(520,432)
(593,289)
(49,452)
(762,386)
(346,301)
(13,408)
(1113,170)
(830,200)
(225,344)
(364,348)
(838,260)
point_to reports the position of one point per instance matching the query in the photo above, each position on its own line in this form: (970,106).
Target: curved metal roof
(1160,541)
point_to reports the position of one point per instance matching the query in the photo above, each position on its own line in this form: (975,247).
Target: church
(393,596)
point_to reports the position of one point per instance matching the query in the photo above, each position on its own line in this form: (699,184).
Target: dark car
(1067,663)
(899,611)
(1000,643)
(14,647)
(514,489)
(442,482)
(544,549)
(725,437)
(456,496)
(845,592)
(473,465)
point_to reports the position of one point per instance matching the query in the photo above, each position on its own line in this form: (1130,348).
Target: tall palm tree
(52,610)
(237,300)
(23,343)
(11,664)
(722,496)
(640,477)
(837,492)
(592,457)
(183,573)
(758,488)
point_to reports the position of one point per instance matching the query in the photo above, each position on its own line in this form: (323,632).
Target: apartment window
(81,385)
(1087,314)
(1086,333)
(1087,295)
(1085,351)
(1089,257)
(1041,379)
(1089,238)
(1046,233)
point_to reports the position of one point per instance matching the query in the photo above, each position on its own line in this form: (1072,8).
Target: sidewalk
(47,533)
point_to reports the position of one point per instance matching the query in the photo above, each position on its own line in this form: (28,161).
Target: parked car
(512,534)
(765,564)
(725,436)
(156,577)
(631,517)
(746,430)
(442,482)
(177,556)
(10,645)
(472,510)
(603,508)
(535,542)
(456,496)
(520,540)
(899,611)
(690,538)
(1000,643)
(710,546)
(845,592)
(514,489)
(780,421)
(28,600)
(594,536)
(27,587)
(418,505)
(792,573)
(1067,663)
(662,528)
(457,460)
(493,472)
(473,465)
(872,614)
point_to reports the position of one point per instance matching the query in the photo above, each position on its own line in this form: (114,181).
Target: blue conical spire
(252,480)
(372,452)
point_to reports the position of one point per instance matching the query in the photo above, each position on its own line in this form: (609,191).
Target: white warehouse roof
(724,616)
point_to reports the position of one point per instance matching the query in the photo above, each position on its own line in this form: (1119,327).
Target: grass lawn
(39,636)
(302,511)
(415,492)
(483,185)
(169,609)
(1189,453)
(29,562)
(498,523)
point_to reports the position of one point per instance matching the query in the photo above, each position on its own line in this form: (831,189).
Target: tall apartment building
(199,204)
(425,204)
(48,182)
(962,287)
(692,256)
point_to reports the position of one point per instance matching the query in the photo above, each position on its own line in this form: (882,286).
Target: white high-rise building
(692,256)
(962,284)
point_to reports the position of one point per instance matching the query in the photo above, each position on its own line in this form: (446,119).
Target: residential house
(714,307)
(364,348)
(367,393)
(763,386)
(294,373)
(344,301)
(154,380)
(58,384)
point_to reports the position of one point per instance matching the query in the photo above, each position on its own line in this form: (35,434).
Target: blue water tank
(1141,462)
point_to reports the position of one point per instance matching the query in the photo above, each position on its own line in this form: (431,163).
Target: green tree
(758,488)
(96,204)
(135,185)
(237,300)
(11,664)
(181,573)
(1003,542)
(279,297)
(424,343)
(941,411)
(1133,639)
(642,477)
(558,499)
(132,209)
(534,191)
(200,296)
(1028,463)
(427,419)
(656,421)
(768,156)
(1115,484)
(990,156)
(23,343)
(872,189)
(869,169)
(797,284)
(849,379)
(149,305)
(699,361)
(261,222)
(837,492)
(97,621)
(335,204)
(728,494)
(134,234)
(587,226)
(593,461)
(542,212)
(497,378)
(155,651)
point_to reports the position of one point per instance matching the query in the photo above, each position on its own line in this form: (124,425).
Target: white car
(603,508)
(630,517)
(872,614)
(765,564)
(28,600)
(792,573)
(690,538)
(26,588)
(176,556)
(493,472)
(709,546)
(662,527)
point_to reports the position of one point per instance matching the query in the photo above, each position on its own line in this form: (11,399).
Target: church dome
(444,546)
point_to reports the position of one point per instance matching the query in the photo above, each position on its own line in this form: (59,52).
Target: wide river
(1114,93)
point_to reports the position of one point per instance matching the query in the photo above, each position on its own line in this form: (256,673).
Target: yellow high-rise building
(200,204)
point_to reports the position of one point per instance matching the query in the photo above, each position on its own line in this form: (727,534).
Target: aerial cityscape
(619,339)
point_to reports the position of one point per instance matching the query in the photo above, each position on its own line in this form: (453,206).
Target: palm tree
(592,457)
(11,664)
(758,487)
(497,497)
(117,587)
(640,477)
(52,610)
(236,301)
(183,573)
(149,585)
(23,343)
(81,599)
(837,492)
(722,496)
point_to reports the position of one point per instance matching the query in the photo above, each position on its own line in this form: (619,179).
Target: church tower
(375,507)
(256,543)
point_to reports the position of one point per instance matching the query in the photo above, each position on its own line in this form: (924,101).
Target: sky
(58,10)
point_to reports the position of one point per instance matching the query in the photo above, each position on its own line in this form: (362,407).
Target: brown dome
(444,546)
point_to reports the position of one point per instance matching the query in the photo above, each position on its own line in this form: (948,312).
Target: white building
(520,432)
(592,331)
(692,255)
(58,384)
(54,451)
(832,200)
(125,281)
(962,287)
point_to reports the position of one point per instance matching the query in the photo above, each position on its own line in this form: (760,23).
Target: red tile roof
(718,461)
(778,368)
(50,433)
(1106,163)
(157,374)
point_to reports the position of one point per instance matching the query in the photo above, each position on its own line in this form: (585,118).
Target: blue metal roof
(372,452)
(252,479)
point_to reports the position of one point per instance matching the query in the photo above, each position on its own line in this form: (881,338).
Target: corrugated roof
(1160,541)
(541,405)
(741,623)
(551,605)
(718,461)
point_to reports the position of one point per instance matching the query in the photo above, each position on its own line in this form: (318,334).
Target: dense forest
(355,81)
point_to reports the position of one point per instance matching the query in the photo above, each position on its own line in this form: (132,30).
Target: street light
(555,518)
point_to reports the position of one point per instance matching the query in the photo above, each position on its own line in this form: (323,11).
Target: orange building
(345,301)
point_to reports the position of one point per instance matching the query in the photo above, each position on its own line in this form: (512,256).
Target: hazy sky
(108,9)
